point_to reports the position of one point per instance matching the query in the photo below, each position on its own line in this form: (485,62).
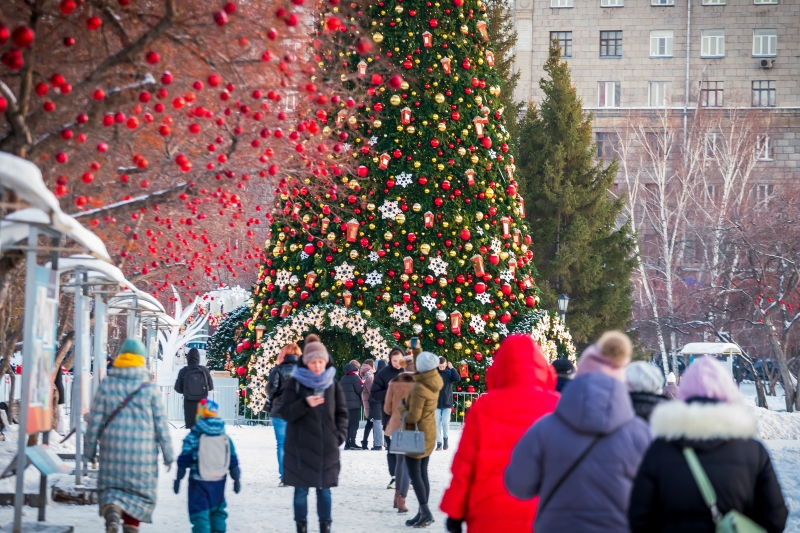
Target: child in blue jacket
(209,455)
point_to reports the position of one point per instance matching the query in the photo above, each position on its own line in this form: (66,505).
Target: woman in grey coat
(128,479)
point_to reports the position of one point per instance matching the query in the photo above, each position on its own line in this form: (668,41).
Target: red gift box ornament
(352,230)
(286,308)
(340,117)
(405,115)
(470,174)
(383,161)
(325,222)
(482,29)
(477,262)
(490,58)
(463,370)
(510,172)
(348,298)
(362,68)
(516,237)
(311,278)
(455,321)
(446,65)
(296,209)
(512,266)
(478,123)
(428,218)
(505,225)
(408,265)
(427,39)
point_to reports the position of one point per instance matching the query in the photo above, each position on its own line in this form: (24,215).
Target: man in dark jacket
(380,385)
(565,371)
(353,387)
(194,381)
(376,409)
(445,406)
(278,378)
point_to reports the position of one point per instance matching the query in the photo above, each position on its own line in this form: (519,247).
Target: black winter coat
(380,385)
(352,387)
(665,497)
(644,403)
(278,378)
(193,360)
(449,377)
(313,436)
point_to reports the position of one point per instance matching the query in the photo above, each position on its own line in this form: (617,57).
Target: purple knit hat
(708,378)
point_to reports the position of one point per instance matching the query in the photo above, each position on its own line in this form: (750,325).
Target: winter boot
(438,446)
(391,484)
(324,526)
(401,504)
(396,495)
(412,522)
(445,444)
(113,516)
(425,517)
(128,528)
(302,526)
(364,445)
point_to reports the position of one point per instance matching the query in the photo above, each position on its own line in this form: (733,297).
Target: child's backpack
(195,384)
(213,457)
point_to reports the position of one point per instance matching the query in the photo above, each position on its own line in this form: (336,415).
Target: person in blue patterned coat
(208,453)
(129,441)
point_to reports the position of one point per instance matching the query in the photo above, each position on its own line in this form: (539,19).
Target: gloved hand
(176,486)
(453,526)
(237,486)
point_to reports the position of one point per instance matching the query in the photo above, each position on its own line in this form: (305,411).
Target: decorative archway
(294,328)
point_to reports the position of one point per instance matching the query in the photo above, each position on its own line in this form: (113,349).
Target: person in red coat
(521,389)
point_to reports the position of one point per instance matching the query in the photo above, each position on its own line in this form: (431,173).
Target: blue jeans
(280,436)
(301,503)
(442,424)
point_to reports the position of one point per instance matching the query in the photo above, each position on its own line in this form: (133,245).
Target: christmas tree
(430,239)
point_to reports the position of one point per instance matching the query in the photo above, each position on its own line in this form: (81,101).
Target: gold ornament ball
(462,151)
(324,294)
(464,29)
(442,126)
(478,216)
(370,207)
(452,253)
(458,291)
(459,219)
(439,97)
(457,346)
(411,129)
(400,218)
(404,85)
(443,282)
(388,235)
(425,248)
(468,247)
(372,226)
(377,123)
(366,312)
(331,236)
(386,296)
(503,255)
(414,277)
(377,37)
(404,277)
(495,336)
(394,100)
(492,314)
(352,121)
(417,164)
(398,9)
(293,247)
(292,293)
(474,159)
(353,254)
(416,208)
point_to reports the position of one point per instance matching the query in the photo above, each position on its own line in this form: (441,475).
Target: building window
(611,3)
(711,93)
(606,145)
(609,94)
(560,3)
(662,2)
(657,96)
(764,193)
(713,43)
(711,144)
(564,39)
(765,1)
(764,93)
(713,2)
(661,43)
(610,44)
(765,43)
(763,148)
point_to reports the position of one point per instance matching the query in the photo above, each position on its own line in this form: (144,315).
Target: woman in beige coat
(397,392)
(419,409)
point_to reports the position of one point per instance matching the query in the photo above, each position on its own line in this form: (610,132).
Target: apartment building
(638,56)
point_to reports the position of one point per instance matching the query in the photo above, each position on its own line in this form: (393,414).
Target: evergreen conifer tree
(579,246)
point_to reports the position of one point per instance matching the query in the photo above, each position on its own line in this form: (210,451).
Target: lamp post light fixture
(563,304)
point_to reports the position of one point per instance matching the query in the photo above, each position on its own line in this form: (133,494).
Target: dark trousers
(190,412)
(391,458)
(418,472)
(352,425)
(367,429)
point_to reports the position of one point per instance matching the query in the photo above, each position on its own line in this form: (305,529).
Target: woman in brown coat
(396,394)
(420,409)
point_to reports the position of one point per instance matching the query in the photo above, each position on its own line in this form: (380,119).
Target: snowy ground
(361,502)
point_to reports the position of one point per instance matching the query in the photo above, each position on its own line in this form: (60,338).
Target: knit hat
(610,355)
(426,361)
(207,409)
(708,378)
(563,367)
(314,349)
(131,354)
(644,377)
(671,377)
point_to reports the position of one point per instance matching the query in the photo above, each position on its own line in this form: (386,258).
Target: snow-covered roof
(25,179)
(97,271)
(701,348)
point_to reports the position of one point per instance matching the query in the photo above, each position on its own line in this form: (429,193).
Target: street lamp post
(563,304)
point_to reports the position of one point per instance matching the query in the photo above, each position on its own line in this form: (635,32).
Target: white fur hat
(426,361)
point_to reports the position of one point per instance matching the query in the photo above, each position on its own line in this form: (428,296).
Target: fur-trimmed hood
(677,420)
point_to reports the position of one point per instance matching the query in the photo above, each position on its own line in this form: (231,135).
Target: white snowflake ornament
(373,256)
(477,324)
(344,272)
(429,302)
(496,245)
(304,256)
(404,179)
(374,278)
(483,298)
(282,278)
(389,209)
(506,275)
(492,154)
(373,140)
(438,266)
(401,314)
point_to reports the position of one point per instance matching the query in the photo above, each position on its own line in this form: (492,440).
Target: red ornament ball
(241,371)
(486,142)
(22,36)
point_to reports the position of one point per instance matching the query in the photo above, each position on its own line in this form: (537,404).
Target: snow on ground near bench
(361,502)
(775,423)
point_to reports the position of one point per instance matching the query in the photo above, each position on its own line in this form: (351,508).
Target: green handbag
(733,521)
